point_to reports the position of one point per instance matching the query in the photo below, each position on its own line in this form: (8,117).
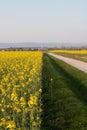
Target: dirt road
(75,63)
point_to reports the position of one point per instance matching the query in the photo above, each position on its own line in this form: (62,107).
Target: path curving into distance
(75,63)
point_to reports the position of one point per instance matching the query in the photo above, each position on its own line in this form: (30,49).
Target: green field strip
(64,96)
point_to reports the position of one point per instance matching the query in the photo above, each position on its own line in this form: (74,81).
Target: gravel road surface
(75,63)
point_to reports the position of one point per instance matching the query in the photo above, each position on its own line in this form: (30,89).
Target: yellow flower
(17,109)
(40,90)
(32,101)
(14,96)
(22,101)
(2,121)
(2,110)
(34,123)
(10,125)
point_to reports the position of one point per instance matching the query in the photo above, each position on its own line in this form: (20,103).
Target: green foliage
(64,96)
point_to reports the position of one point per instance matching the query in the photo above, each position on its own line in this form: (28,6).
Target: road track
(75,63)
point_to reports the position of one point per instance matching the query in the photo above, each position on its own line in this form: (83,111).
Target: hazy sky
(43,21)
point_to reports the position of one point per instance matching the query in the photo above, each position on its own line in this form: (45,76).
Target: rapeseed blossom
(20,90)
(71,51)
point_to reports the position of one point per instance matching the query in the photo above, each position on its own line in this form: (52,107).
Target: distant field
(76,54)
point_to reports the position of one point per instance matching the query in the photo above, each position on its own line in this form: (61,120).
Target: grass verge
(64,96)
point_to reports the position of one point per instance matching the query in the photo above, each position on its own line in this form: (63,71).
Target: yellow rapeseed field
(71,51)
(20,90)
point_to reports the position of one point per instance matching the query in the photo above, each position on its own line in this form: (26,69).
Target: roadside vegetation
(64,96)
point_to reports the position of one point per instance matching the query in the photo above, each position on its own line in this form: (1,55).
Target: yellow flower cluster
(71,51)
(32,101)
(7,124)
(20,90)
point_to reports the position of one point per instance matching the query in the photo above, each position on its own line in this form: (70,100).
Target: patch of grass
(64,96)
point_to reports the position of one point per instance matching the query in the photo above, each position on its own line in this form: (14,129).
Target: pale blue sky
(43,21)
